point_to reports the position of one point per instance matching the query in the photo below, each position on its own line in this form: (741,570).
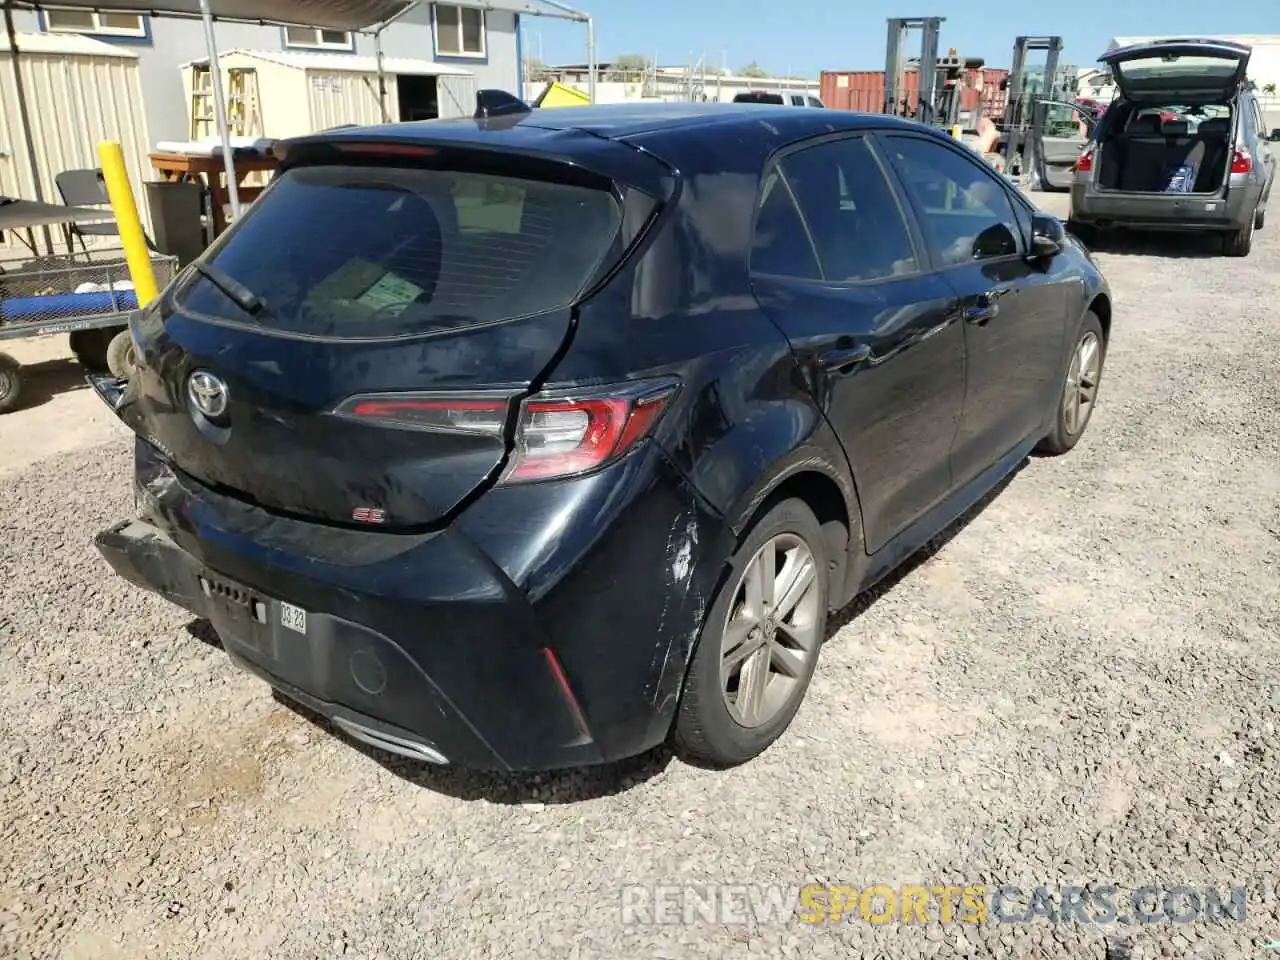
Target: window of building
(60,20)
(459,31)
(312,38)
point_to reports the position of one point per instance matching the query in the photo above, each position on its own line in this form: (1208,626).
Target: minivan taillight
(1241,160)
(557,433)
(1084,163)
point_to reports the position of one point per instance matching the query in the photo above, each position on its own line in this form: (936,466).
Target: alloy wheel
(1082,383)
(771,631)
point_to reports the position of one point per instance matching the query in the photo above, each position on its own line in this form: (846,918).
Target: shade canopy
(347,15)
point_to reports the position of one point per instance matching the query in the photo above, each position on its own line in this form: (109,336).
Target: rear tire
(10,382)
(1079,393)
(90,348)
(760,641)
(1238,243)
(1084,232)
(1259,219)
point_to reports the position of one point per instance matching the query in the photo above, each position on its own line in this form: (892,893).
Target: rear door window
(781,246)
(368,252)
(851,211)
(965,209)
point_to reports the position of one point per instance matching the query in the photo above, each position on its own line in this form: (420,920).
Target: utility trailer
(90,299)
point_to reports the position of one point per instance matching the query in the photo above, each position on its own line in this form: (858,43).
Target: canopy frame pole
(379,58)
(569,13)
(220,108)
(24,115)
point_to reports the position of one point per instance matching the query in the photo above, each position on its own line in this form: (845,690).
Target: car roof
(625,121)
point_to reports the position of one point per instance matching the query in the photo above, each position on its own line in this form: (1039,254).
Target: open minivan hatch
(1185,70)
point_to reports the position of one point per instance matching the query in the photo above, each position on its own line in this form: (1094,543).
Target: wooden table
(186,166)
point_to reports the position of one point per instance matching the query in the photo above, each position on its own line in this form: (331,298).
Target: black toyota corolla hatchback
(532,441)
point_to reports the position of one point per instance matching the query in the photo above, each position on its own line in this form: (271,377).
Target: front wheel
(1079,389)
(120,355)
(759,642)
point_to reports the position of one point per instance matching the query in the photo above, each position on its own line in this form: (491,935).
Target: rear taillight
(1241,160)
(1084,163)
(557,434)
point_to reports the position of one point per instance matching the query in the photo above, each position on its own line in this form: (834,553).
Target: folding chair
(85,188)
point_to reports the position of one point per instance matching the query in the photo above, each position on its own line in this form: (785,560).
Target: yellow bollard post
(958,132)
(132,238)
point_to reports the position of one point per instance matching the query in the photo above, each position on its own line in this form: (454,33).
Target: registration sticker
(293,618)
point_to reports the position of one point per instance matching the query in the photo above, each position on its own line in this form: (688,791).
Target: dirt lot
(1079,685)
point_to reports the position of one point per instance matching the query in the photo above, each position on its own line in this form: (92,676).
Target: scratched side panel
(619,569)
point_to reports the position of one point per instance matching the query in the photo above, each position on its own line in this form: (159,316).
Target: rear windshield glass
(1192,69)
(376,252)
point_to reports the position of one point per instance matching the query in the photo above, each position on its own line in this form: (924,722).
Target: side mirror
(1048,238)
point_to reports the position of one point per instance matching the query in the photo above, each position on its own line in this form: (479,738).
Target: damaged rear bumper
(437,646)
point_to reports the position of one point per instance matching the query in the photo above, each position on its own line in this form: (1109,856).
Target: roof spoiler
(499,103)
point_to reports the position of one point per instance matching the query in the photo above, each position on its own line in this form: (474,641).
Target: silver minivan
(1182,147)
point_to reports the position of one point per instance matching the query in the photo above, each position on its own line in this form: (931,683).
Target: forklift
(936,103)
(1036,152)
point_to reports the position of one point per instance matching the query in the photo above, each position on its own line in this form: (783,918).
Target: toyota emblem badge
(208,393)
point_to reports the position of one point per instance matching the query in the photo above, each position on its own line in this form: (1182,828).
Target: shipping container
(863,90)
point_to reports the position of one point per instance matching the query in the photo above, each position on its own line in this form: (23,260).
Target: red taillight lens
(1084,163)
(557,434)
(562,436)
(1241,160)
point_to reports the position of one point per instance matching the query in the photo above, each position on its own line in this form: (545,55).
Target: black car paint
(613,571)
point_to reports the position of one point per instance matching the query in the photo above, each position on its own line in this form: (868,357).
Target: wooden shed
(288,93)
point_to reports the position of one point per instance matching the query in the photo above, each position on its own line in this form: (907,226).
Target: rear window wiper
(239,294)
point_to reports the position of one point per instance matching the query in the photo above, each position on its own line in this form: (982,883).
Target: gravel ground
(1078,685)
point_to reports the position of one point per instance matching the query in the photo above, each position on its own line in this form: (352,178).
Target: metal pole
(591,58)
(24,116)
(382,76)
(220,108)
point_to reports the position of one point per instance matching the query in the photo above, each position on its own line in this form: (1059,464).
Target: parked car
(569,434)
(1181,148)
(779,98)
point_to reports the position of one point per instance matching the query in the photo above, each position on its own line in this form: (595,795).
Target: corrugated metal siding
(457,96)
(863,91)
(337,98)
(73,102)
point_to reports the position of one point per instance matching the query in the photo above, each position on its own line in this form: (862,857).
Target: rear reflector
(1241,160)
(557,434)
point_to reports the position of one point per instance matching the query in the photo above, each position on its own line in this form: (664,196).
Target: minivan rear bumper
(423,645)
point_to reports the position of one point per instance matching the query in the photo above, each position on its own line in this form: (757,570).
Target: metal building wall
(75,99)
(338,97)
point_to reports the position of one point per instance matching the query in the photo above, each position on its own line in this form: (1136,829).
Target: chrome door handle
(840,361)
(987,305)
(981,315)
